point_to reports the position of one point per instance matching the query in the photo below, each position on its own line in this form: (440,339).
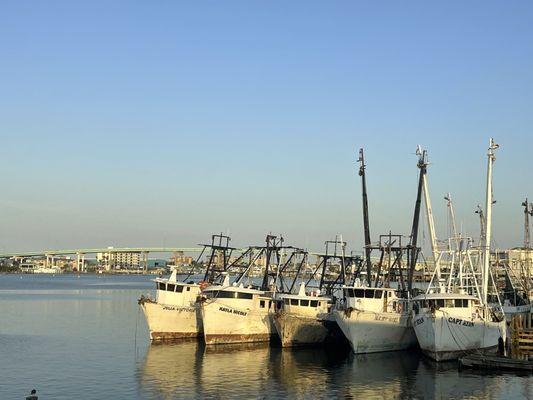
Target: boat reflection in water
(193,370)
(171,370)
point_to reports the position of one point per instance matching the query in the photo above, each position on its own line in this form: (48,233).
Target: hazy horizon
(144,124)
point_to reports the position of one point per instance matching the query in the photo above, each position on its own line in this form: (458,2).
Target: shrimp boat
(300,318)
(175,311)
(377,318)
(236,314)
(374,316)
(304,318)
(454,317)
(239,313)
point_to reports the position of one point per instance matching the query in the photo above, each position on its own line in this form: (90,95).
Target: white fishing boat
(243,313)
(236,314)
(299,319)
(449,325)
(375,319)
(175,312)
(454,317)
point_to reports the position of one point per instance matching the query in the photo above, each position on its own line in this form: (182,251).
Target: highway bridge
(81,253)
(102,250)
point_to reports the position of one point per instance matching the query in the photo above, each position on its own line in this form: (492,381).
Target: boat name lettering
(389,319)
(459,321)
(229,310)
(170,308)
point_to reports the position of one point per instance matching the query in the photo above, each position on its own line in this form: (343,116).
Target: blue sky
(159,123)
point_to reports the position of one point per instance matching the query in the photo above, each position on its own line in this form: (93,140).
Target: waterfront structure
(454,316)
(120,260)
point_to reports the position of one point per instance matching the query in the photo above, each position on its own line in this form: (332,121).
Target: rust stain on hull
(225,339)
(297,330)
(170,336)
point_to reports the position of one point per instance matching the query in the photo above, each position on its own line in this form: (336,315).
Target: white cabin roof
(370,288)
(282,296)
(431,296)
(167,280)
(233,289)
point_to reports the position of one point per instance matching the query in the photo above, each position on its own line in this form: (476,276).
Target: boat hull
(167,322)
(224,324)
(299,330)
(371,332)
(444,337)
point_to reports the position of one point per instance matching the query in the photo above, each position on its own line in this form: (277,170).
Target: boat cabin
(303,303)
(462,304)
(172,292)
(240,297)
(374,299)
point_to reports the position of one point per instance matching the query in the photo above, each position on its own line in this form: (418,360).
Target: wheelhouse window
(161,285)
(287,301)
(171,287)
(378,294)
(294,302)
(262,303)
(304,303)
(461,303)
(449,303)
(314,303)
(369,293)
(440,302)
(359,293)
(247,296)
(224,294)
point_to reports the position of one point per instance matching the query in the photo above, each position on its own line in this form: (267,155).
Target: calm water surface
(86,338)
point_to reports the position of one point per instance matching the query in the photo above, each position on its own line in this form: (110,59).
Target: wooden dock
(522,334)
(492,362)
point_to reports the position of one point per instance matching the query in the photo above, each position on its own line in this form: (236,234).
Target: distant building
(119,260)
(179,259)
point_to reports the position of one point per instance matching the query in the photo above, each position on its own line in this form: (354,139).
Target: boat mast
(422,164)
(488,220)
(449,203)
(479,211)
(528,210)
(366,223)
(414,230)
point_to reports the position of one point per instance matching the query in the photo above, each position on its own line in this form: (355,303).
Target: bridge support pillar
(145,262)
(81,262)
